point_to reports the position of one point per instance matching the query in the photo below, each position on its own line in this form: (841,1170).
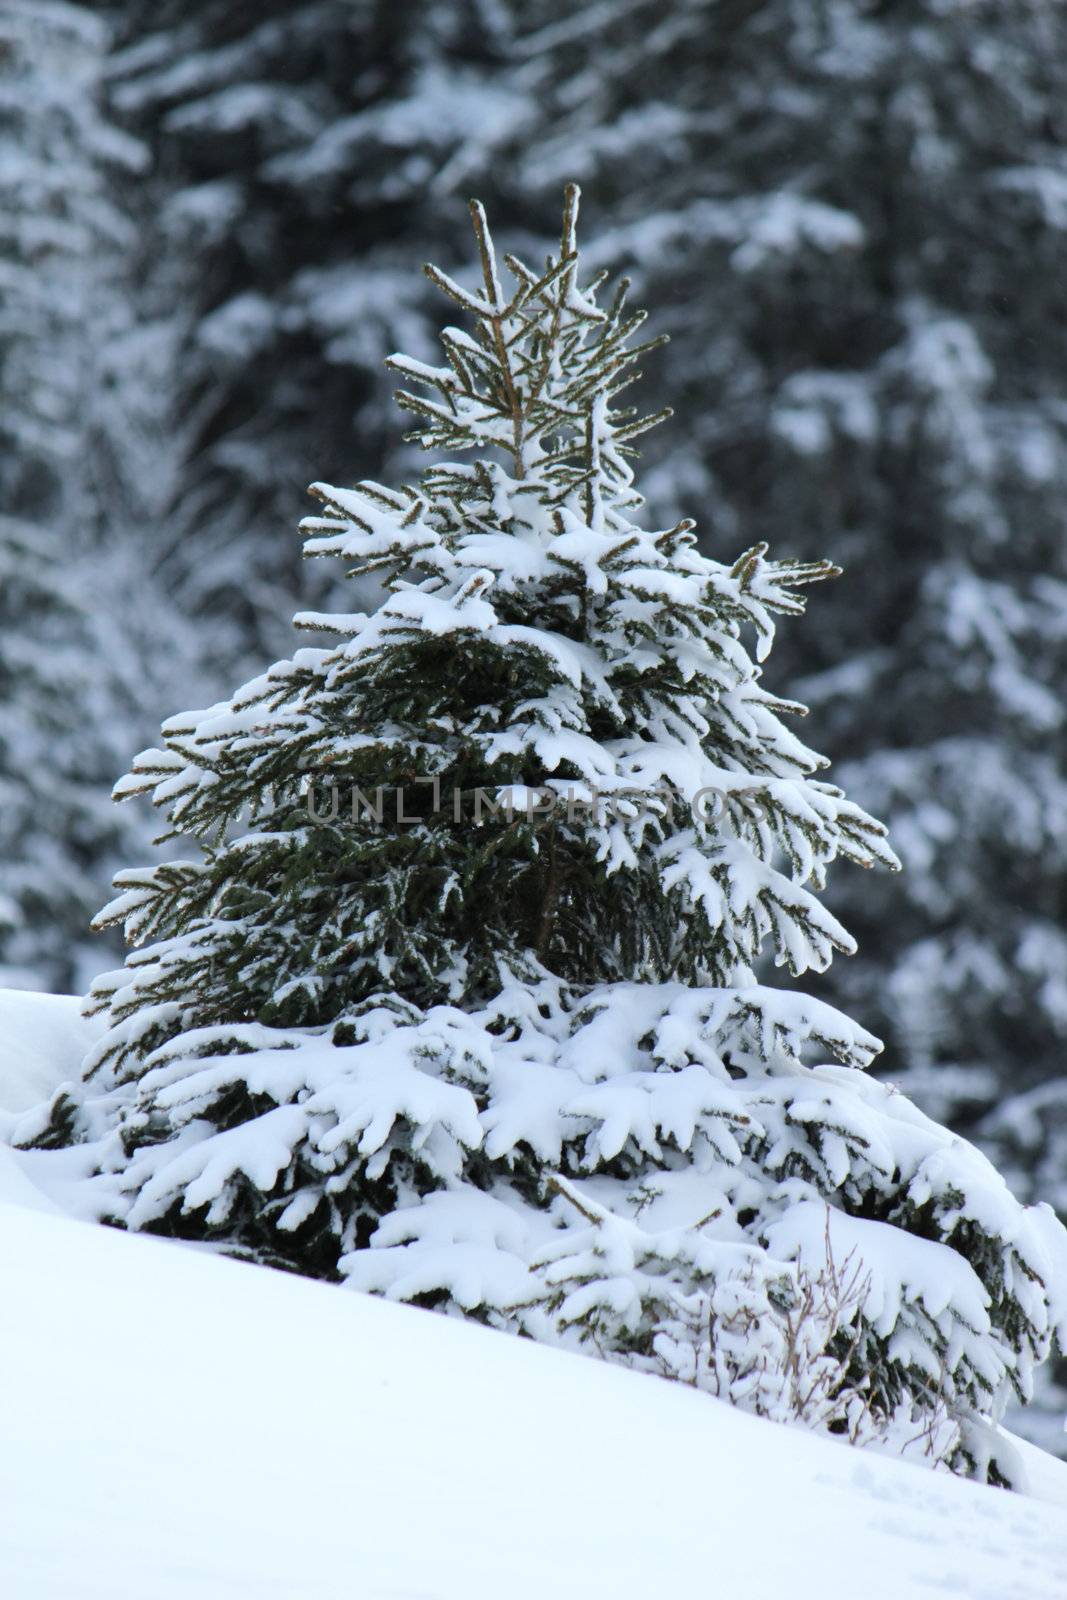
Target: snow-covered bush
(457,1000)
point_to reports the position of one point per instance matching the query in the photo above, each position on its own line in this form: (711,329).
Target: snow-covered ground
(179,1425)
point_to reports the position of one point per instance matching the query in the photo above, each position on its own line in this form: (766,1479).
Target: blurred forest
(850,216)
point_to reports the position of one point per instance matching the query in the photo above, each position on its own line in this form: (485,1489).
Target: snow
(912,1269)
(186,1425)
(43,1038)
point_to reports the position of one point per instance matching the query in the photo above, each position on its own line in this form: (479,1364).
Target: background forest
(850,216)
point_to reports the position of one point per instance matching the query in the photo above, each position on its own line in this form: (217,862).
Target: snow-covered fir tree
(456,1000)
(67,690)
(302,154)
(853,215)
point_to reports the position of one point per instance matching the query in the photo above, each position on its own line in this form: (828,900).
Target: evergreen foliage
(66,695)
(852,216)
(301,154)
(457,999)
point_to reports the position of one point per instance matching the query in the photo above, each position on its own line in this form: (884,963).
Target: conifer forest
(705,1013)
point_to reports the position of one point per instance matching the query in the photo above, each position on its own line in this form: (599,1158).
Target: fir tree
(457,999)
(66,690)
(301,153)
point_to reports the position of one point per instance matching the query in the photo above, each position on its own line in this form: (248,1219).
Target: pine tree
(65,687)
(302,151)
(457,1001)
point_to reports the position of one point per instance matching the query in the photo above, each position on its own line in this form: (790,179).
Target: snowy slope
(179,1425)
